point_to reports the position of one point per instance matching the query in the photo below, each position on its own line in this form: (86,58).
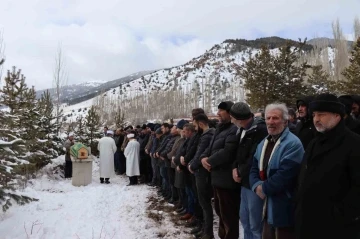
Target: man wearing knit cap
(251,131)
(218,159)
(329,183)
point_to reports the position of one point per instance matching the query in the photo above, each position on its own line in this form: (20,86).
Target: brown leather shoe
(187,216)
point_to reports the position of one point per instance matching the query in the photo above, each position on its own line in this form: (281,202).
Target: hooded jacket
(305,129)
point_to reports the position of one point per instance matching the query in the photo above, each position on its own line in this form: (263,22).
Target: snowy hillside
(214,71)
(76,93)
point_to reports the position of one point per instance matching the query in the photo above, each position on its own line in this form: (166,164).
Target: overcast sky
(105,40)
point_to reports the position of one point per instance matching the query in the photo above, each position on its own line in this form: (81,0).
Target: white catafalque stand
(81,171)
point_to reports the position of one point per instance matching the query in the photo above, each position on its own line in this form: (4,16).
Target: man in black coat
(329,189)
(355,109)
(218,159)
(203,180)
(350,122)
(250,133)
(119,157)
(305,129)
(165,128)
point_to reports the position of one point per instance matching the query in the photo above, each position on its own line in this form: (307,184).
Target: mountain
(324,41)
(203,81)
(76,93)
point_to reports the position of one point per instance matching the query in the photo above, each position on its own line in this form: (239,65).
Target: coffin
(79,151)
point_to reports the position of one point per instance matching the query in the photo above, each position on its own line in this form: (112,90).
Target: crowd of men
(282,173)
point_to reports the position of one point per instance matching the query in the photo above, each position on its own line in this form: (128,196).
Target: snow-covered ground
(96,211)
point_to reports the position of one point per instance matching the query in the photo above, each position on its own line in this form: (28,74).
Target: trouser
(204,191)
(251,210)
(68,169)
(171,176)
(143,164)
(227,205)
(198,212)
(122,163)
(149,169)
(270,232)
(155,169)
(190,200)
(117,161)
(165,179)
(183,197)
(133,180)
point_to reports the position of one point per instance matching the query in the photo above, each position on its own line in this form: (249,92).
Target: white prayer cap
(130,136)
(71,134)
(110,132)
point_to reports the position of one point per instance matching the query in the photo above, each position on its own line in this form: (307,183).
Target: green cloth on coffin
(74,150)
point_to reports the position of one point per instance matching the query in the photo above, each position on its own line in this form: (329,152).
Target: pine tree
(13,92)
(290,74)
(12,147)
(352,72)
(92,124)
(319,81)
(48,125)
(259,75)
(80,135)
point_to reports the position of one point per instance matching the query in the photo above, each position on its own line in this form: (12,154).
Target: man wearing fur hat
(68,164)
(329,183)
(218,159)
(107,149)
(132,154)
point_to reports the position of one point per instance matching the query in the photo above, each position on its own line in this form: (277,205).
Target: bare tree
(356,28)
(341,60)
(59,81)
(2,56)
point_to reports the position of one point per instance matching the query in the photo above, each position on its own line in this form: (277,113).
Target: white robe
(132,154)
(107,148)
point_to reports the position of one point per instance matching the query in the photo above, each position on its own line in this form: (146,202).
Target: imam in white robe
(107,149)
(132,154)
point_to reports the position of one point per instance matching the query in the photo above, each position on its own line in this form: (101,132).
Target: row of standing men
(280,177)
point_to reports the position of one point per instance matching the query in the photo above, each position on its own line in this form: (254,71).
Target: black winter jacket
(221,153)
(164,139)
(247,147)
(190,150)
(168,147)
(352,124)
(204,142)
(329,189)
(305,131)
